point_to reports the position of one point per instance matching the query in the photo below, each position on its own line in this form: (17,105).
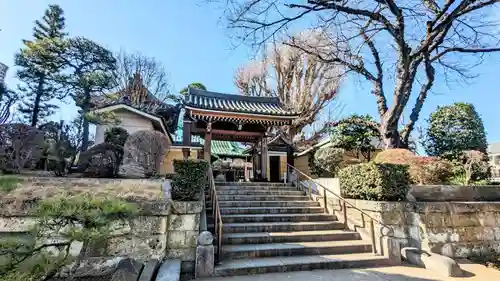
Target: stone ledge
(432,193)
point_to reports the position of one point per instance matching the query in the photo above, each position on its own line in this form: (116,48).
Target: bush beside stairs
(274,227)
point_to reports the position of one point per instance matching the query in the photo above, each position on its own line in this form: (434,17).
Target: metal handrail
(343,208)
(216,213)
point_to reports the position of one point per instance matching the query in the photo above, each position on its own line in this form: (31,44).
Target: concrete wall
(128,120)
(175,154)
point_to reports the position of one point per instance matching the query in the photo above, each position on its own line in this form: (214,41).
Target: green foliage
(9,183)
(356,133)
(102,160)
(327,160)
(453,129)
(116,135)
(89,69)
(422,169)
(378,182)
(489,259)
(197,85)
(470,167)
(38,65)
(60,148)
(190,179)
(62,222)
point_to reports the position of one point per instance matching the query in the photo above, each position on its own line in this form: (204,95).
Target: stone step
(275,204)
(272,210)
(259,192)
(298,263)
(251,184)
(262,198)
(245,251)
(256,187)
(280,226)
(277,218)
(287,237)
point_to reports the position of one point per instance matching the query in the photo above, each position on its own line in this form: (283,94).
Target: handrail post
(372,233)
(325,201)
(344,210)
(219,243)
(310,190)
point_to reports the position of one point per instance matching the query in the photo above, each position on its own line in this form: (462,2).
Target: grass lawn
(9,183)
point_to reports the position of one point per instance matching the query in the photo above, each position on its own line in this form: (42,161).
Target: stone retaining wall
(162,230)
(453,229)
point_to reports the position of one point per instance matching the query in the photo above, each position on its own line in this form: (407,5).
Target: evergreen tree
(38,65)
(453,129)
(89,71)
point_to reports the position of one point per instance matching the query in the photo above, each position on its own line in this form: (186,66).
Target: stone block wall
(162,230)
(453,229)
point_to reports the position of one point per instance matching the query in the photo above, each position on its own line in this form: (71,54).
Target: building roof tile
(201,99)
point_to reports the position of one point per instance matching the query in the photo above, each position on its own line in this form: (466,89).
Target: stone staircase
(270,227)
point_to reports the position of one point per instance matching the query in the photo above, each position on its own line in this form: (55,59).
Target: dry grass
(34,189)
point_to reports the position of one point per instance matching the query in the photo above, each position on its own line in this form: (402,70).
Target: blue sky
(190,39)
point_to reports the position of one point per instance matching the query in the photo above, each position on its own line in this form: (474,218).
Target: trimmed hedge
(189,180)
(376,182)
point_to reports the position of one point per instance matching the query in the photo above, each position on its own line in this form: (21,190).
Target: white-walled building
(494,156)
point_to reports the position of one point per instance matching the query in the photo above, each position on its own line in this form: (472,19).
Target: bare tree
(303,83)
(143,79)
(404,43)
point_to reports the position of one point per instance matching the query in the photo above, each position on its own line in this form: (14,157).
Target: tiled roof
(235,103)
(227,148)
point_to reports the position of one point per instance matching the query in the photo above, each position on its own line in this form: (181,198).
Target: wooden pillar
(289,155)
(186,139)
(207,149)
(264,156)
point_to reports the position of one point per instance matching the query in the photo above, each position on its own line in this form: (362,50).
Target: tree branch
(464,50)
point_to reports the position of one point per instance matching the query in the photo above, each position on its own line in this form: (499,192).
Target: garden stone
(131,170)
(205,238)
(149,270)
(170,270)
(127,270)
(432,261)
(166,186)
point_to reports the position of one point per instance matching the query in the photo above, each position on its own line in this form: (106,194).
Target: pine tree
(38,65)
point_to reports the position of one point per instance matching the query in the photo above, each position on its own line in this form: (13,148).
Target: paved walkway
(474,272)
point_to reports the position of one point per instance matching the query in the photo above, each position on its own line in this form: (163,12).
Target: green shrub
(190,179)
(422,169)
(62,221)
(377,182)
(8,183)
(116,135)
(328,159)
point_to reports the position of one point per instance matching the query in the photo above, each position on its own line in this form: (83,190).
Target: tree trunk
(85,123)
(36,105)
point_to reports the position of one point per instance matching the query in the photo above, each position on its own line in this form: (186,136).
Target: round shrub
(422,169)
(102,160)
(189,180)
(377,182)
(328,160)
(146,149)
(116,135)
